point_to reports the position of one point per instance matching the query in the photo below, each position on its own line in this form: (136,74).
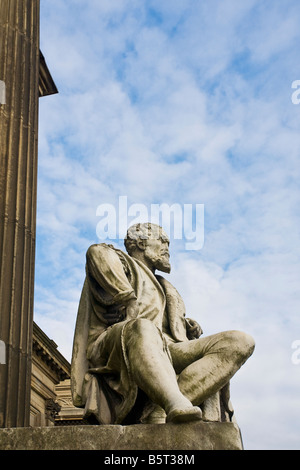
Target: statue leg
(205,365)
(152,370)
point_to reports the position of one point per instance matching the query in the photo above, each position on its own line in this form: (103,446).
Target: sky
(187,102)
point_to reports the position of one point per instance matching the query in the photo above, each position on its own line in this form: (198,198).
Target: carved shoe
(185,415)
(156,416)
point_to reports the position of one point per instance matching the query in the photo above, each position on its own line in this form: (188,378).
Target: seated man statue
(136,357)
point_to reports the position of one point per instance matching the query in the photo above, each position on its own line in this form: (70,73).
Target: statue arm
(108,279)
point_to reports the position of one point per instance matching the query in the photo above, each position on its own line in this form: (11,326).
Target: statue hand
(118,313)
(193,329)
(115,314)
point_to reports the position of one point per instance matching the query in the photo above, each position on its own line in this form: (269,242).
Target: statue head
(150,244)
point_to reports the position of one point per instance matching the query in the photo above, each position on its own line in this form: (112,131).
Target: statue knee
(243,344)
(141,327)
(141,337)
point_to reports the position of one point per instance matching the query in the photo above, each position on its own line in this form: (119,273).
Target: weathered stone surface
(197,436)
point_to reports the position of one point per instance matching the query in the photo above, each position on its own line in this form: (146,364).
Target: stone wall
(197,436)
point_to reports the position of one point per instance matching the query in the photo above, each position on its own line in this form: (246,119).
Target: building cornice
(46,349)
(46,83)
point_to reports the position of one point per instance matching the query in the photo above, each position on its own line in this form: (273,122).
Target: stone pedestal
(183,437)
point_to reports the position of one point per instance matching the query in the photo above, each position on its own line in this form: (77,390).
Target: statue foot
(185,415)
(157,416)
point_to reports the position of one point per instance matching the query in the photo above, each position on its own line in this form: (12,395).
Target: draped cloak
(100,372)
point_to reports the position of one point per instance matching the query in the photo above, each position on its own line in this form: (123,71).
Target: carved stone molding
(52,409)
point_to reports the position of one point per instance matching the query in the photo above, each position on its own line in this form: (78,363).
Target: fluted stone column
(19,71)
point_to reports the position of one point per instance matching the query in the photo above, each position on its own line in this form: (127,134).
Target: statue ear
(141,244)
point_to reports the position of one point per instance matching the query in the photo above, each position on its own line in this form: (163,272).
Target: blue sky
(185,102)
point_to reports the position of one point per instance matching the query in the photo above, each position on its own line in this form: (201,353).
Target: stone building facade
(50,401)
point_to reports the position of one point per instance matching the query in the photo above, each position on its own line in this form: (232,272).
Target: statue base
(188,436)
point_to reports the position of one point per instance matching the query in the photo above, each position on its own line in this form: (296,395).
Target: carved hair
(143,232)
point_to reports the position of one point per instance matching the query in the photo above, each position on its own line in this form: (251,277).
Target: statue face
(157,254)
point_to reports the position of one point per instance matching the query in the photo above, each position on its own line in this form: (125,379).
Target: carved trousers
(200,367)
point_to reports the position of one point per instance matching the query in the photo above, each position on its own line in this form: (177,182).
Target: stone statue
(136,357)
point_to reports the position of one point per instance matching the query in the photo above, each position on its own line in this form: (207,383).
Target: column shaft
(19,70)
